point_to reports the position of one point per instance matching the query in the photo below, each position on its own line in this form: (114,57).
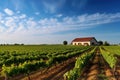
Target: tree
(106,43)
(65,42)
(100,43)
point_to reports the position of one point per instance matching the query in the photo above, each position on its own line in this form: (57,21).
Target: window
(75,44)
(79,44)
(86,44)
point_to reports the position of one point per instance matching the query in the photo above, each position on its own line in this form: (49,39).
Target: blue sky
(53,21)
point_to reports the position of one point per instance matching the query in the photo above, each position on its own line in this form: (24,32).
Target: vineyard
(59,62)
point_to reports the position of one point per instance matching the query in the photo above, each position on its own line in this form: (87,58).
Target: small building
(86,41)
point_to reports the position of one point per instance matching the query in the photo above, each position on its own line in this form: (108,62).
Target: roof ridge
(83,39)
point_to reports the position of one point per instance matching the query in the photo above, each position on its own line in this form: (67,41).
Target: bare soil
(97,69)
(55,72)
(117,68)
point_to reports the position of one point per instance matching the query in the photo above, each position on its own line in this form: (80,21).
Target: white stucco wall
(82,43)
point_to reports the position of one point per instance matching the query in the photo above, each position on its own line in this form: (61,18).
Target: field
(59,62)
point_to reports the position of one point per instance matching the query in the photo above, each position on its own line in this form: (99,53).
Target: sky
(53,21)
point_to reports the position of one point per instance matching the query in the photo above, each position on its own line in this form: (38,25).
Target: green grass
(113,49)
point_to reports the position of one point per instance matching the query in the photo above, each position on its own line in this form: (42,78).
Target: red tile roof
(83,39)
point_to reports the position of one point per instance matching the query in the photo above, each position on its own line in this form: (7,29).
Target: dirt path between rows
(91,70)
(97,69)
(117,68)
(55,72)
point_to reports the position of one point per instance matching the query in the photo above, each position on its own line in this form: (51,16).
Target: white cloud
(59,15)
(52,6)
(22,27)
(51,25)
(18,4)
(23,16)
(8,11)
(49,7)
(79,3)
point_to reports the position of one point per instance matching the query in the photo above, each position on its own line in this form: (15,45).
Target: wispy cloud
(18,5)
(21,22)
(22,16)
(20,25)
(52,6)
(79,3)
(8,11)
(59,15)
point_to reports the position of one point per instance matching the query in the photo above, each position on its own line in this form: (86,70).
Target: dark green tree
(65,42)
(100,43)
(106,43)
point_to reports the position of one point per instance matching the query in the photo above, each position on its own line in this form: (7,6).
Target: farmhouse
(86,41)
